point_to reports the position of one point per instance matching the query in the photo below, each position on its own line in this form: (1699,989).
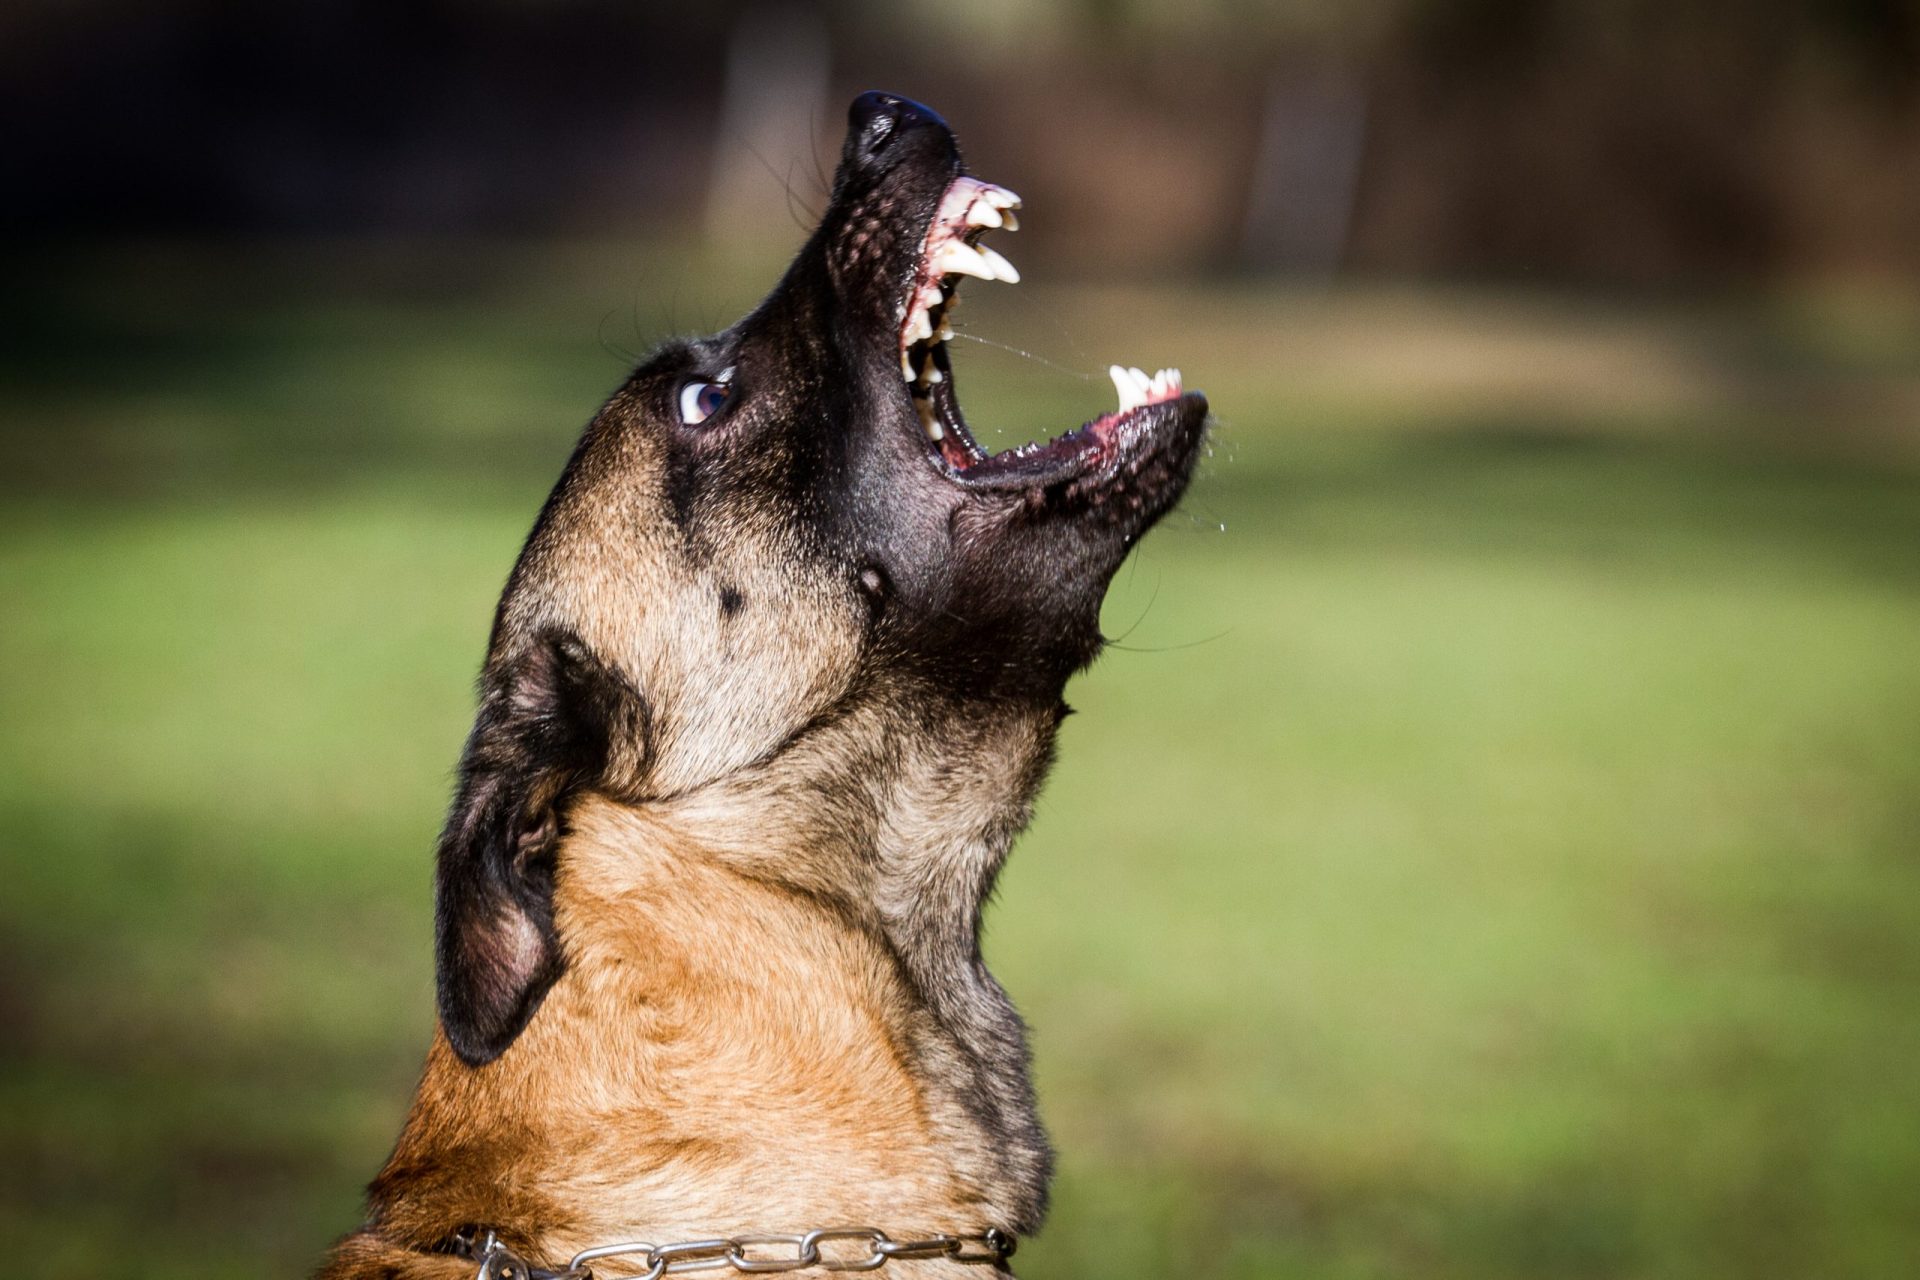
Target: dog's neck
(750,1040)
(903,832)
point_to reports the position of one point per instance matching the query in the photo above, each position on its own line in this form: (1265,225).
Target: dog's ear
(550,715)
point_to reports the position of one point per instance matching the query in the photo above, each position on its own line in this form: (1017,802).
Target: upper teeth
(1136,388)
(969,207)
(957,257)
(993,207)
(1002,269)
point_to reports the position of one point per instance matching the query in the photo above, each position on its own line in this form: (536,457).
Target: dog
(767,698)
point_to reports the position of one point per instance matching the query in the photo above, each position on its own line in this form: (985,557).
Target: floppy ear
(549,716)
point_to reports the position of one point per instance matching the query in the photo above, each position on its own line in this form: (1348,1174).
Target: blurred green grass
(1495,852)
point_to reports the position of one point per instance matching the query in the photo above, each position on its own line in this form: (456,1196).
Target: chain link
(756,1254)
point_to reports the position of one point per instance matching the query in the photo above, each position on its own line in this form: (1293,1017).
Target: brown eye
(701,400)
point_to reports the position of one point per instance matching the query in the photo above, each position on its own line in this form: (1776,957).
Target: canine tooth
(928,423)
(1002,269)
(982,214)
(956,257)
(1131,396)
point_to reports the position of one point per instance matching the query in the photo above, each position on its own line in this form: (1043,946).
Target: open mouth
(952,248)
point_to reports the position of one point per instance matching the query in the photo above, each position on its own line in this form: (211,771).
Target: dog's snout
(877,118)
(879,125)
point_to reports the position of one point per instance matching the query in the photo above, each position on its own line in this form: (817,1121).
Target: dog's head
(767,527)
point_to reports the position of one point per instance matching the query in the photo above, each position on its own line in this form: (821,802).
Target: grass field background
(1492,849)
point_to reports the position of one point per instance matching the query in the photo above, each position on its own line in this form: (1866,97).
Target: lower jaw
(1112,439)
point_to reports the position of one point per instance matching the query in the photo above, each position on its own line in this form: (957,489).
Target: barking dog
(767,699)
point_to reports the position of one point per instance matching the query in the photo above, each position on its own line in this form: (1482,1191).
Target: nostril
(878,120)
(874,112)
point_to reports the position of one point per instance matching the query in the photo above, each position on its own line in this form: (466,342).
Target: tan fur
(611,564)
(718,1041)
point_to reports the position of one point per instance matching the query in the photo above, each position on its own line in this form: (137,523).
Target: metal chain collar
(750,1254)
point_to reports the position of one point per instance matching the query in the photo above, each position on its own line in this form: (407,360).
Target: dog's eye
(701,400)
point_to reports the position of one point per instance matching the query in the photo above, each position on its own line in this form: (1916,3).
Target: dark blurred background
(1490,848)
(1632,143)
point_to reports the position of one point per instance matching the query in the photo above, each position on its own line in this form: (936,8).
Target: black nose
(877,121)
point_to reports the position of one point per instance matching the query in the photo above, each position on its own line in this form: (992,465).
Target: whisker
(1170,648)
(1145,610)
(1025,355)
